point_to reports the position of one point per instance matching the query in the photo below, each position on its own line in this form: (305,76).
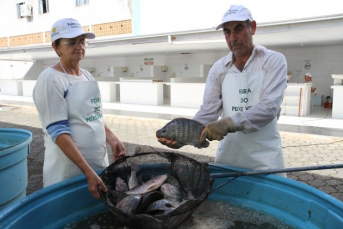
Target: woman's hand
(117,147)
(94,182)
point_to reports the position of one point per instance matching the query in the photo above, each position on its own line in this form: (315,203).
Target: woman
(69,105)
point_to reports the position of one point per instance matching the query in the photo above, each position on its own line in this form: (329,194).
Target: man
(246,89)
(308,79)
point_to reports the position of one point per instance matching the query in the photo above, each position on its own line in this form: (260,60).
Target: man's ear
(253,27)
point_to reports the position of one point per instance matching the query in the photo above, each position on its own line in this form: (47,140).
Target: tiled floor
(319,122)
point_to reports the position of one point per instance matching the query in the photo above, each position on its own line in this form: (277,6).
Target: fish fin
(203,144)
(198,122)
(135,167)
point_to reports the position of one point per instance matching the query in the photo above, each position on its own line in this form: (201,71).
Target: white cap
(235,13)
(68,28)
(308,74)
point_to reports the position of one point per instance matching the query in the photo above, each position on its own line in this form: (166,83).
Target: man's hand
(170,143)
(217,130)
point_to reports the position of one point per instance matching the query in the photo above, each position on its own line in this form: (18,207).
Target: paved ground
(299,149)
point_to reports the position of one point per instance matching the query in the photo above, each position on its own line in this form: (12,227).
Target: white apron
(258,150)
(87,131)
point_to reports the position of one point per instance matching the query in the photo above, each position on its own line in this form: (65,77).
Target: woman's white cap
(68,28)
(235,13)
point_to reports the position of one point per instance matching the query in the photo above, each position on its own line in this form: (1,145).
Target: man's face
(238,36)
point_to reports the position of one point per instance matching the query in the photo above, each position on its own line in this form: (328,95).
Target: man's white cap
(308,74)
(68,28)
(235,13)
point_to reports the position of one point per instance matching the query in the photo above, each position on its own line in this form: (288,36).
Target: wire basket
(194,178)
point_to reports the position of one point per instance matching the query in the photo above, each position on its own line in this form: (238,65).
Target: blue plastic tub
(14,148)
(295,203)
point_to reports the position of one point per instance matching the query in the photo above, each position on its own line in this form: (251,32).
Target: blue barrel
(68,202)
(14,148)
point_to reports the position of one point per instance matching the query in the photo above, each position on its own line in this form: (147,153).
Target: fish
(171,192)
(133,181)
(172,180)
(184,131)
(147,199)
(121,185)
(129,204)
(115,196)
(160,205)
(149,186)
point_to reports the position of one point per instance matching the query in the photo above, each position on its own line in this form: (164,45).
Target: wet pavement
(302,146)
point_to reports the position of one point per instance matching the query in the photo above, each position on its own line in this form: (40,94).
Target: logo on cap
(74,25)
(231,12)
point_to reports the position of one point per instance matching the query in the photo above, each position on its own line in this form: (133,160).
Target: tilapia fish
(147,199)
(161,205)
(121,185)
(129,204)
(171,192)
(149,186)
(184,131)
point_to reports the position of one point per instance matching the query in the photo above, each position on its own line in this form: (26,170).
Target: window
(81,2)
(43,6)
(19,10)
(24,10)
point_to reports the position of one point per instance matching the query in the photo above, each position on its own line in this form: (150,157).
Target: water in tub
(209,215)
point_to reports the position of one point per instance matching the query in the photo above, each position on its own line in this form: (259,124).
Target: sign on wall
(148,61)
(307,64)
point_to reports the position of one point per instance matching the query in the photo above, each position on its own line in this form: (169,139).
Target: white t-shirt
(49,95)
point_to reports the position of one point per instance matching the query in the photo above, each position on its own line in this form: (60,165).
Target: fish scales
(186,131)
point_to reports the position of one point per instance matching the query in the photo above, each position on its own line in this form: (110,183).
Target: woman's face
(72,49)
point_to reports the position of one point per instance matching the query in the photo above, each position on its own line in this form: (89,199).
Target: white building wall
(14,69)
(159,16)
(96,12)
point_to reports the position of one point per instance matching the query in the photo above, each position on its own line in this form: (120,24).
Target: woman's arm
(66,144)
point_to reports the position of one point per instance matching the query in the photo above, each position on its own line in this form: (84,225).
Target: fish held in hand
(184,131)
